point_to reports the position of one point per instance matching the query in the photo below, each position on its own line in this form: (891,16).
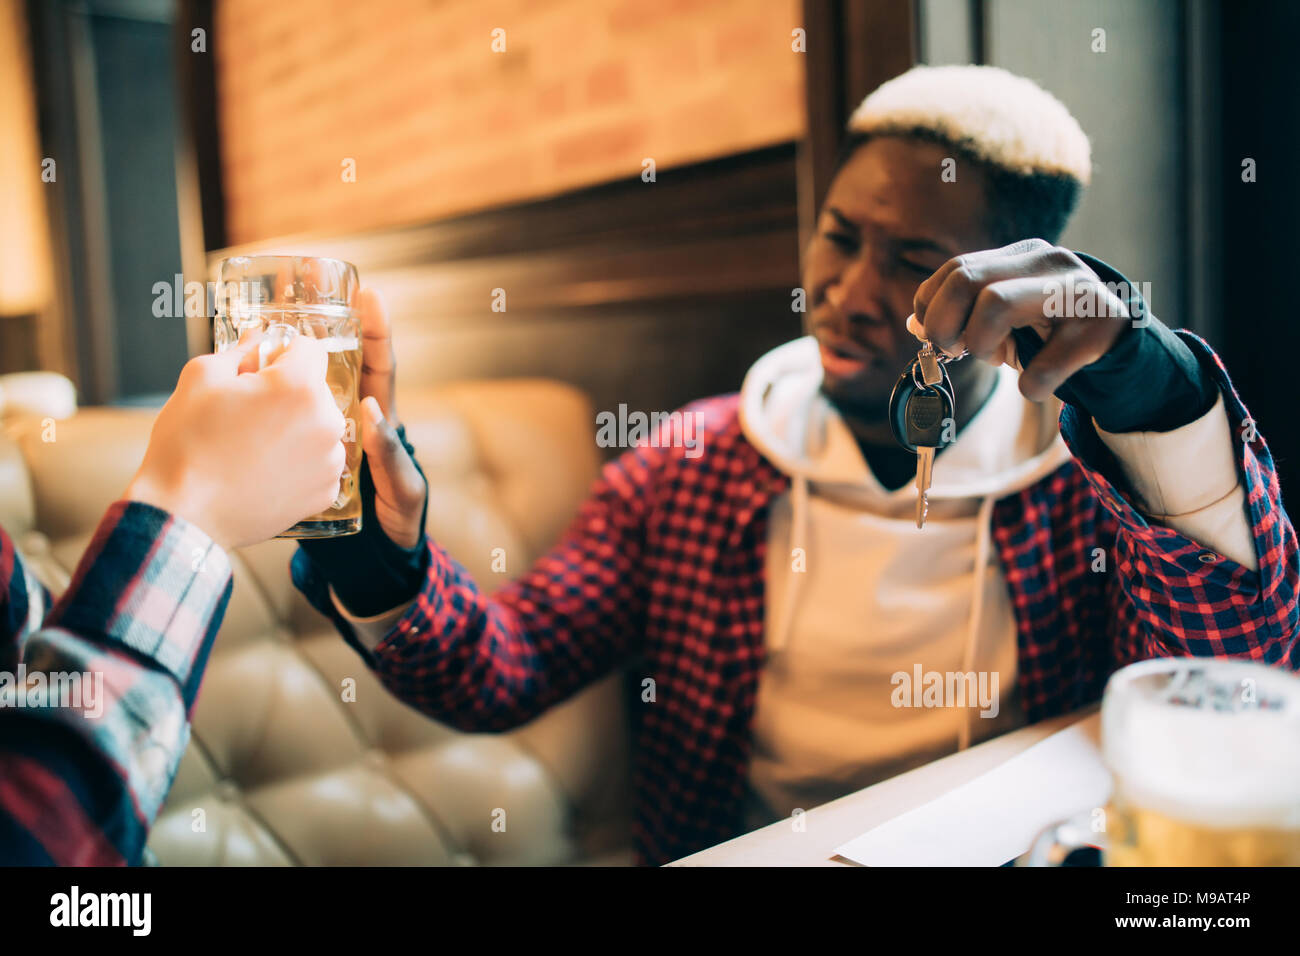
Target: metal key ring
(918,382)
(944,358)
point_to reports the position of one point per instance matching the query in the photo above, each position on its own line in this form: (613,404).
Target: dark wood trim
(824,106)
(702,231)
(879,43)
(200,199)
(853,47)
(200,128)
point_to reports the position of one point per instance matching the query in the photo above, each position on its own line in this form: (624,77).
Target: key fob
(898,400)
(925,414)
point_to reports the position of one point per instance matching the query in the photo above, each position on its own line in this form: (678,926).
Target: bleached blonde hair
(1006,121)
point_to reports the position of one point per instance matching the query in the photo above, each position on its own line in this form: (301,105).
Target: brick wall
(438,123)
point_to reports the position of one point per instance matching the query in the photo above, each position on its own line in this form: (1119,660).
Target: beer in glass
(280,298)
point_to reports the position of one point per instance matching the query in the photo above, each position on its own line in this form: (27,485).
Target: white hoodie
(862,606)
(856,594)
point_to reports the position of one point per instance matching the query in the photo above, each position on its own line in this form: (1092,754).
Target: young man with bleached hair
(1102,505)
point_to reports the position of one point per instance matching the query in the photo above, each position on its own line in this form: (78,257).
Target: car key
(920,408)
(925,417)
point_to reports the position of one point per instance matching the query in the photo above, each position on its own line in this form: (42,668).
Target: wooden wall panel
(853,47)
(650,294)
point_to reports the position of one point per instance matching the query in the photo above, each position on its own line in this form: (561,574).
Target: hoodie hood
(1009,444)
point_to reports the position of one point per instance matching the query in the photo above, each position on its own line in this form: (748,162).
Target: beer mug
(282,297)
(1205,758)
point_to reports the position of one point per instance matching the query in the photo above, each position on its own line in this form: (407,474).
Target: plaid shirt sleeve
(94,716)
(1188,599)
(484,663)
(23,604)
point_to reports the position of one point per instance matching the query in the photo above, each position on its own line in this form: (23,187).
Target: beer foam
(340,343)
(1210,760)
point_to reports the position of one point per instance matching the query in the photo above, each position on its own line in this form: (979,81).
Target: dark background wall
(1261,120)
(108,115)
(137,105)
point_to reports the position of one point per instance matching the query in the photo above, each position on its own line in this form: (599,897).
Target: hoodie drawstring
(983,554)
(798,539)
(983,550)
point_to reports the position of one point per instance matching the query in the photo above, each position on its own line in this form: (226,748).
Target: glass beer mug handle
(1071,842)
(275,340)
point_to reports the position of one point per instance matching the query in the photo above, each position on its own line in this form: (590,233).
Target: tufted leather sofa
(282,769)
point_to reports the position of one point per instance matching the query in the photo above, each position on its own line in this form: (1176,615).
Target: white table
(837,822)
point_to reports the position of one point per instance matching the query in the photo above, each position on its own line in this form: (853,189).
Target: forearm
(1186,479)
(1150,380)
(483,662)
(476,662)
(1196,597)
(120,659)
(1160,411)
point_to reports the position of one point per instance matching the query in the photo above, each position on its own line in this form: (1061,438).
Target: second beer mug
(287,296)
(1205,758)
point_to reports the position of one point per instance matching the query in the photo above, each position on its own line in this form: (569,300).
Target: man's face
(888,222)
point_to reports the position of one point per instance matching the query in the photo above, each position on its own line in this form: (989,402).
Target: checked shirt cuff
(154,583)
(1186,479)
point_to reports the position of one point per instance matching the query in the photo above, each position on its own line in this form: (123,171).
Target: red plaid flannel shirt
(662,571)
(81,785)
